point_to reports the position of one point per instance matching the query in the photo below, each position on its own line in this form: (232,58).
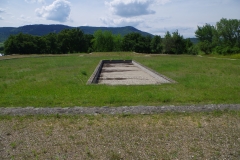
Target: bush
(206,47)
(193,50)
(225,50)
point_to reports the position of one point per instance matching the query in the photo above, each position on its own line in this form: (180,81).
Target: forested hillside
(40,30)
(76,41)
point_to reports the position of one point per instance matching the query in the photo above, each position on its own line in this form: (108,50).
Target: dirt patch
(160,136)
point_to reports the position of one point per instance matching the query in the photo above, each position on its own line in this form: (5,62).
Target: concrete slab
(129,72)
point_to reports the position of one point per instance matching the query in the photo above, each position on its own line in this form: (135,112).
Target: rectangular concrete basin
(125,72)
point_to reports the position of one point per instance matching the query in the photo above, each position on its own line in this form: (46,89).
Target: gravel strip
(117,110)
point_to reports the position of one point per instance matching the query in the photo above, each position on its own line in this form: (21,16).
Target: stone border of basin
(94,77)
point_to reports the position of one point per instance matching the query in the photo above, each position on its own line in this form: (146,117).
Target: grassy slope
(164,136)
(60,81)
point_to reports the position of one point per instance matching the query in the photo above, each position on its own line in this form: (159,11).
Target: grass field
(50,81)
(163,136)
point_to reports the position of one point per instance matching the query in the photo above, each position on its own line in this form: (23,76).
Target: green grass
(50,81)
(230,56)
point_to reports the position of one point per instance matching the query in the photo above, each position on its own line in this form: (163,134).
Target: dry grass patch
(163,136)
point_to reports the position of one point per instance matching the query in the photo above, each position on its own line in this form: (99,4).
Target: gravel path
(117,110)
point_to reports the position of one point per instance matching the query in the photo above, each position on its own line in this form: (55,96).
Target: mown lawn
(50,81)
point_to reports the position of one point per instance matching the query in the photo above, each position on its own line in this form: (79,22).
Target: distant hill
(40,30)
(194,40)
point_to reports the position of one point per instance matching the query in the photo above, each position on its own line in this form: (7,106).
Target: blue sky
(153,16)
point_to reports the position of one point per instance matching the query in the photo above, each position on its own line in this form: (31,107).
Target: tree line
(67,41)
(224,38)
(75,41)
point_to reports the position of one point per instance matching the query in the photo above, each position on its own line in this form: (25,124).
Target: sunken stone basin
(125,72)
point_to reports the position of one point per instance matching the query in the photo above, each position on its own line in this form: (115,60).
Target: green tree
(77,40)
(64,41)
(103,41)
(117,39)
(21,44)
(156,44)
(52,45)
(205,33)
(67,41)
(208,38)
(223,39)
(10,45)
(175,43)
(143,44)
(179,44)
(88,38)
(130,41)
(137,43)
(168,43)
(229,32)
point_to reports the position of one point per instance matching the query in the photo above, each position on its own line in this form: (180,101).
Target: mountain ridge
(42,29)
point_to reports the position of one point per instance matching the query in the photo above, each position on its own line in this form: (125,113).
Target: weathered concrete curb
(153,73)
(117,110)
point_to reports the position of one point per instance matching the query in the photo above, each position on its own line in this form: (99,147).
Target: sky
(153,16)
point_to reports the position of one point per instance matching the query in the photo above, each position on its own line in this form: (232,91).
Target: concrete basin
(125,72)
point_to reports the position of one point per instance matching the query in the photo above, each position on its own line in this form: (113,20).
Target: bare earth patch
(209,135)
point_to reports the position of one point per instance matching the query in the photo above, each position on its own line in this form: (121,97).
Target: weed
(200,125)
(89,154)
(49,131)
(34,152)
(58,116)
(114,155)
(80,127)
(84,73)
(71,137)
(217,113)
(13,145)
(125,115)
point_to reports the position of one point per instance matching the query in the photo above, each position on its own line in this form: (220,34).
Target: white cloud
(162,2)
(130,8)
(122,22)
(2,10)
(182,30)
(23,17)
(34,1)
(59,11)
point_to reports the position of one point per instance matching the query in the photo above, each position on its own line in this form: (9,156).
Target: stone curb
(117,110)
